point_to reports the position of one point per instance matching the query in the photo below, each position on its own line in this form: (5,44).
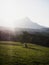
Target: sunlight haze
(12,10)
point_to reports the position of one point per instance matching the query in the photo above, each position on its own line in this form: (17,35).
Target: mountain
(37,34)
(27,23)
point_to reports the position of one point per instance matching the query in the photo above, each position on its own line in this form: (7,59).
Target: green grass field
(18,55)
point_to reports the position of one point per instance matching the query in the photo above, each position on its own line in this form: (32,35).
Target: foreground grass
(18,55)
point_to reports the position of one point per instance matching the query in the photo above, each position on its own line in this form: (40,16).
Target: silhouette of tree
(25,38)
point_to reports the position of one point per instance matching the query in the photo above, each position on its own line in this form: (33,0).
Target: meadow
(14,53)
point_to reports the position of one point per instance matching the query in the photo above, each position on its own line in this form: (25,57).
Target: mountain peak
(27,23)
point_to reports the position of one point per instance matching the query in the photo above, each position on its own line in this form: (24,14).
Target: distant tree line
(36,38)
(25,37)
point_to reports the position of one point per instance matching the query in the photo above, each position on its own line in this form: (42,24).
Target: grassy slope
(18,55)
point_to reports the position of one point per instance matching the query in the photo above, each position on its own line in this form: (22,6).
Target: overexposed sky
(36,10)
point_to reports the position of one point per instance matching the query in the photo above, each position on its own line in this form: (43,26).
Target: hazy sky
(36,10)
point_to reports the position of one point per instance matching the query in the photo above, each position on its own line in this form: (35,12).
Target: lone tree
(25,38)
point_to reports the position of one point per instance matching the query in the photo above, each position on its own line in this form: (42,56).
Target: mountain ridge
(25,25)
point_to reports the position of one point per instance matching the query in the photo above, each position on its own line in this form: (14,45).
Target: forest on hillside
(34,38)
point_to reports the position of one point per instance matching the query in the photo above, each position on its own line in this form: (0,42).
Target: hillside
(18,55)
(37,33)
